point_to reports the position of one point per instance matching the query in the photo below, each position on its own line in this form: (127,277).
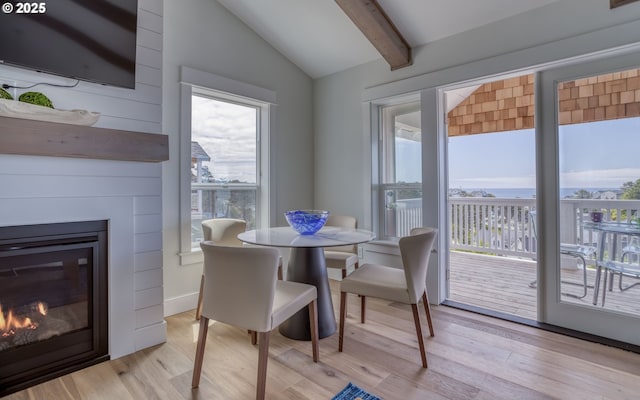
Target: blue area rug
(352,392)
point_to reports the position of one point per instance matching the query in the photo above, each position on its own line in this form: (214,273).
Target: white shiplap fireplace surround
(128,194)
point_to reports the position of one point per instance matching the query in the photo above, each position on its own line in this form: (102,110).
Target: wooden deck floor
(503,284)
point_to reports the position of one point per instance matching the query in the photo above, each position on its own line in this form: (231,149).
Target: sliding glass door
(588,140)
(491,193)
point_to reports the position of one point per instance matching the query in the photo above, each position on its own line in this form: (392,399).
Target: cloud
(504,182)
(227,132)
(599,178)
(603,178)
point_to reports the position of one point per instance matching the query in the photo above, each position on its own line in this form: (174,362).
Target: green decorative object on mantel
(5,95)
(36,98)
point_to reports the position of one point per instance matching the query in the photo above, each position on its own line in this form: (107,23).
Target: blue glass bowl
(306,222)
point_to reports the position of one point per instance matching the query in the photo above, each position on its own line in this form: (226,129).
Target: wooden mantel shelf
(38,138)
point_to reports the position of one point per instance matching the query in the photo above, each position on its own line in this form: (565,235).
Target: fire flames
(10,323)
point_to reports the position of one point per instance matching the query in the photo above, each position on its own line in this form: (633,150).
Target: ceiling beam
(376,26)
(618,3)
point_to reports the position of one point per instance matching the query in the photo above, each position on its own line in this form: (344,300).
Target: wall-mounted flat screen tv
(91,40)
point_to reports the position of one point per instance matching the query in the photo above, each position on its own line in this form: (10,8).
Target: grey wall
(558,30)
(206,37)
(341,145)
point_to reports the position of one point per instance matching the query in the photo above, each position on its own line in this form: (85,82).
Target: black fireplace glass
(53,301)
(44,294)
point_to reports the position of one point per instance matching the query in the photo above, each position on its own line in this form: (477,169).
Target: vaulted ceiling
(320,38)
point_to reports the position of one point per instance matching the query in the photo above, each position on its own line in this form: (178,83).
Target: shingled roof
(198,153)
(508,104)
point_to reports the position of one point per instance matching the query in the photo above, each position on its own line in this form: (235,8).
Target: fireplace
(53,301)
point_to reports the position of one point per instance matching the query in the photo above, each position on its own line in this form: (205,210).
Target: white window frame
(380,167)
(197,82)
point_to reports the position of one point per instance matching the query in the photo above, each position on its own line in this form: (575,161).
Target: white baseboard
(150,335)
(177,305)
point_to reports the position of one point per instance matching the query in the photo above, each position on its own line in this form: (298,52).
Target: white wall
(206,37)
(561,29)
(36,190)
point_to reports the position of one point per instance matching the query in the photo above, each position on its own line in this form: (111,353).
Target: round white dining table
(307,265)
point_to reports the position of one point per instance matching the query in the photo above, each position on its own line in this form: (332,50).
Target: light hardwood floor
(471,357)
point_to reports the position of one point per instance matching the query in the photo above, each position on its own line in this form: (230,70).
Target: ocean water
(530,193)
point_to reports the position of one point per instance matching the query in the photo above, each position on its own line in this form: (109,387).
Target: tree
(409,194)
(631,190)
(207,176)
(583,194)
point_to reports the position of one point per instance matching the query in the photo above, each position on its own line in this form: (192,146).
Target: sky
(408,156)
(594,155)
(227,132)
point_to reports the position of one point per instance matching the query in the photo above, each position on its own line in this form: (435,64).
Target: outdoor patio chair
(632,249)
(578,251)
(342,257)
(406,285)
(628,268)
(241,289)
(620,268)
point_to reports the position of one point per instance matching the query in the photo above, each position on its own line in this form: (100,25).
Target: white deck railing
(502,226)
(575,211)
(492,225)
(213,200)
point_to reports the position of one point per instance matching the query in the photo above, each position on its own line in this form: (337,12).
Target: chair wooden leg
(343,312)
(427,309)
(416,319)
(263,357)
(254,337)
(197,364)
(313,321)
(199,306)
(363,308)
(344,271)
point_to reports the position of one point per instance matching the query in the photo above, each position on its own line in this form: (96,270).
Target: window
(399,198)
(224,161)
(224,155)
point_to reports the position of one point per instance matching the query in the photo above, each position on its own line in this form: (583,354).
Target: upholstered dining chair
(241,289)
(223,231)
(406,285)
(342,257)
